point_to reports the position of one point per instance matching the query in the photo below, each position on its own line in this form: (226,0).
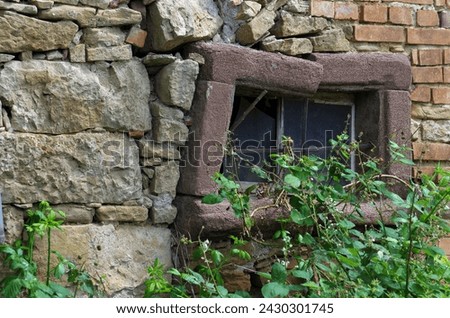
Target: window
(259,121)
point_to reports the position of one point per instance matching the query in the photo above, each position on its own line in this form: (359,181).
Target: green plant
(24,280)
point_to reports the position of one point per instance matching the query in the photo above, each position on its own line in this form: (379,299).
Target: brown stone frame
(379,81)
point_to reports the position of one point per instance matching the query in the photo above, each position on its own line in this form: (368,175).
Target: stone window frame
(380,83)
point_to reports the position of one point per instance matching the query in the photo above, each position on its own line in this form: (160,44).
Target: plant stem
(48,256)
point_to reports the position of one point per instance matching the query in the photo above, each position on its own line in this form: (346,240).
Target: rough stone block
(150,149)
(252,31)
(77,53)
(120,213)
(77,214)
(112,53)
(108,36)
(13,220)
(166,178)
(84,16)
(80,168)
(294,24)
(117,17)
(6,58)
(431,112)
(168,130)
(137,37)
(121,254)
(175,83)
(331,41)
(160,110)
(43,4)
(291,46)
(152,59)
(20,33)
(102,4)
(39,105)
(19,7)
(163,211)
(175,22)
(436,131)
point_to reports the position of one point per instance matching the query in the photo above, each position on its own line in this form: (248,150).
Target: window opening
(260,120)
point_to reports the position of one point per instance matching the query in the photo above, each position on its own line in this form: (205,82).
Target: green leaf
(292,180)
(274,289)
(302,274)
(217,257)
(279,272)
(212,199)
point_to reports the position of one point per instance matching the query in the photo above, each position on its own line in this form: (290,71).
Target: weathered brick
(136,37)
(431,151)
(412,1)
(431,74)
(401,15)
(421,94)
(346,11)
(427,18)
(428,36)
(321,8)
(440,3)
(444,19)
(447,74)
(430,57)
(415,57)
(446,56)
(379,33)
(441,95)
(374,13)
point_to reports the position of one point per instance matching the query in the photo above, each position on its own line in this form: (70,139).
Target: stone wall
(96,97)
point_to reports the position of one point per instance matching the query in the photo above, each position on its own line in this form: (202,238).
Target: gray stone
(165,178)
(78,168)
(151,162)
(163,211)
(117,17)
(291,46)
(84,16)
(248,9)
(437,131)
(146,2)
(168,130)
(112,53)
(102,4)
(13,219)
(27,55)
(297,6)
(54,55)
(228,12)
(252,31)
(6,58)
(331,41)
(77,53)
(71,2)
(42,93)
(149,172)
(431,112)
(19,7)
(42,4)
(120,254)
(77,214)
(120,213)
(291,24)
(6,121)
(103,36)
(175,22)
(153,59)
(20,33)
(175,83)
(160,110)
(150,149)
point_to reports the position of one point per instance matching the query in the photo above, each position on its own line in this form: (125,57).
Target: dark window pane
(294,118)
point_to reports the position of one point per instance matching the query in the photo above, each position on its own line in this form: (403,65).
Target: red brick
(441,95)
(401,15)
(379,33)
(440,3)
(427,74)
(346,11)
(415,57)
(137,37)
(374,13)
(322,8)
(430,57)
(427,18)
(421,94)
(446,56)
(447,74)
(431,151)
(428,36)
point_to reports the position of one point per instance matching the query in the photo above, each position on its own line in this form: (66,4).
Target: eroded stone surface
(83,168)
(166,178)
(437,131)
(120,213)
(291,46)
(13,220)
(42,93)
(293,24)
(175,22)
(120,254)
(331,41)
(20,33)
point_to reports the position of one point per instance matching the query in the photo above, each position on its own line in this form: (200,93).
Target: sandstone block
(120,213)
(152,59)
(293,24)
(117,17)
(43,4)
(175,22)
(436,131)
(78,214)
(331,41)
(291,46)
(13,220)
(168,130)
(19,7)
(175,83)
(137,37)
(150,149)
(84,16)
(108,36)
(20,33)
(112,53)
(60,97)
(163,211)
(6,58)
(160,110)
(102,4)
(77,53)
(79,168)
(120,253)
